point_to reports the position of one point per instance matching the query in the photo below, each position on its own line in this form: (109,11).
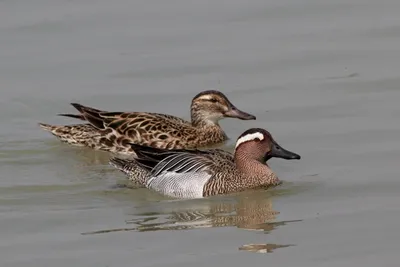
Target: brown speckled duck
(114,131)
(196,173)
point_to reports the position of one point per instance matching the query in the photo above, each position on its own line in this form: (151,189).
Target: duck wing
(153,155)
(179,173)
(142,127)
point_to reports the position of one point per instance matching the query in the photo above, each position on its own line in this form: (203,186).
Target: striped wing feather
(189,160)
(183,163)
(181,175)
(176,173)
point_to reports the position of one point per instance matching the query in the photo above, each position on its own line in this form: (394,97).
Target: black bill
(279,152)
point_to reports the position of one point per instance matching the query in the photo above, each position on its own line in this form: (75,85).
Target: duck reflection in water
(251,211)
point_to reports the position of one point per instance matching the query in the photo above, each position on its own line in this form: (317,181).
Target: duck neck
(207,128)
(203,119)
(256,172)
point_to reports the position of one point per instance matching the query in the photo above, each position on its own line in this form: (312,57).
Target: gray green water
(321,76)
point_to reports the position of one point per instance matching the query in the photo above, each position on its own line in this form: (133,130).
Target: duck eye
(213,100)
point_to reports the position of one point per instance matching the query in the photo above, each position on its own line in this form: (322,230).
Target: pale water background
(322,76)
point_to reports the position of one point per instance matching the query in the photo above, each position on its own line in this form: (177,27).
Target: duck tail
(47,127)
(89,114)
(132,169)
(75,116)
(121,164)
(83,109)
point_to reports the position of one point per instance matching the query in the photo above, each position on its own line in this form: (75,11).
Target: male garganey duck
(196,173)
(114,131)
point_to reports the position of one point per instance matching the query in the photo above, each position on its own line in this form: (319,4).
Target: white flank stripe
(249,137)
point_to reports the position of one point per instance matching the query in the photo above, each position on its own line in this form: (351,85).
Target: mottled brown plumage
(114,131)
(201,173)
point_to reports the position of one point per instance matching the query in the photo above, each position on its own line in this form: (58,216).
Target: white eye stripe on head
(206,97)
(249,137)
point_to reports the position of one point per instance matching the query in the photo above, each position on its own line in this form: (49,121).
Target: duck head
(208,107)
(258,144)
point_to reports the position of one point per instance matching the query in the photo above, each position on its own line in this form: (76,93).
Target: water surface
(322,77)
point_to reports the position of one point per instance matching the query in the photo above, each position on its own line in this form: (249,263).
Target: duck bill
(279,152)
(237,113)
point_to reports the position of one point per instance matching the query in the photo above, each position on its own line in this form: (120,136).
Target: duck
(114,131)
(196,173)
